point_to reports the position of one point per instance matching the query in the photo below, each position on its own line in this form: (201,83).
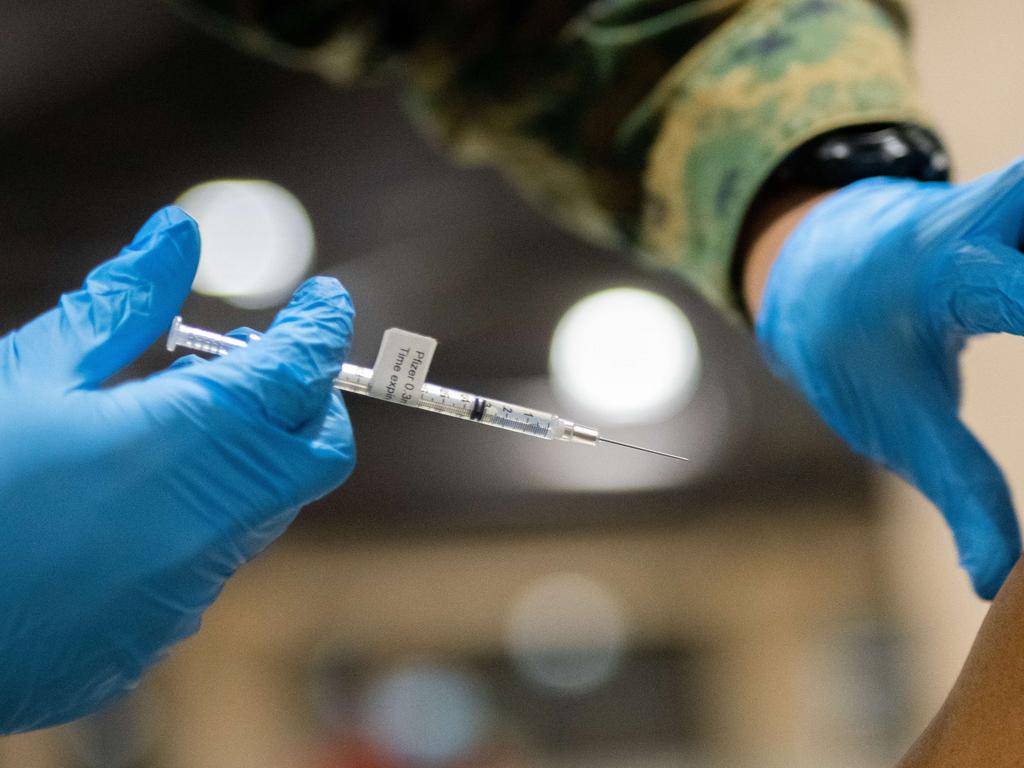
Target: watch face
(859,152)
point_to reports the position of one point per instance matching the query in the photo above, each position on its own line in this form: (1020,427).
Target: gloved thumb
(992,205)
(288,375)
(956,472)
(124,306)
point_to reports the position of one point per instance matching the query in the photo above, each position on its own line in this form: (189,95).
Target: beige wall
(759,594)
(971,63)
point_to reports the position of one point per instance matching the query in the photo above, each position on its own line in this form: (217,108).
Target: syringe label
(401,367)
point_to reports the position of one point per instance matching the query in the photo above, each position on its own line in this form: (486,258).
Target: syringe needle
(645,450)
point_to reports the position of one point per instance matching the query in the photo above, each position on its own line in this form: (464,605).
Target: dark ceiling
(110,109)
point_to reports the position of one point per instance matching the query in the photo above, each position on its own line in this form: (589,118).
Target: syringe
(443,400)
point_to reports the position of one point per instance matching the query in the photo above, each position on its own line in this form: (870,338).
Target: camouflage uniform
(650,123)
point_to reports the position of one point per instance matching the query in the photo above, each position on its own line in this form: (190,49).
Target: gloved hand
(124,509)
(866,310)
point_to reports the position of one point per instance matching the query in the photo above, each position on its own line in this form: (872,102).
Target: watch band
(850,154)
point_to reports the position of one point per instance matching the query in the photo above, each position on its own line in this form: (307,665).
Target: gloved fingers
(950,466)
(334,445)
(994,204)
(287,375)
(328,457)
(185,361)
(329,449)
(984,292)
(125,304)
(245,333)
(335,435)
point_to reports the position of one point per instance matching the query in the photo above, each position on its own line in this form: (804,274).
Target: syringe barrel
(494,413)
(198,340)
(462,405)
(354,379)
(443,400)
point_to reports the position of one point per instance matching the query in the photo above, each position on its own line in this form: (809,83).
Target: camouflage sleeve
(779,74)
(647,123)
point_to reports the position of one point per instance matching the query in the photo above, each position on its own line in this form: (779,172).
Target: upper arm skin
(981,725)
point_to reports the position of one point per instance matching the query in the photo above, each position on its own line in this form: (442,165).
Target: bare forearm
(770,223)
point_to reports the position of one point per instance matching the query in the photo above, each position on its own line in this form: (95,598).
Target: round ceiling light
(625,356)
(257,241)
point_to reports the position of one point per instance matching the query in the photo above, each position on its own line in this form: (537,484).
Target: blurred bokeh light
(257,240)
(625,355)
(426,714)
(567,632)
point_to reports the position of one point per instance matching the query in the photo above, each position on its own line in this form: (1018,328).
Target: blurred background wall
(481,599)
(968,60)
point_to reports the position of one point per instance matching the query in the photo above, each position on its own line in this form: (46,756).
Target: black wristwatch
(850,154)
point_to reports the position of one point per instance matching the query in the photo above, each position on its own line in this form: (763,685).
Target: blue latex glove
(866,310)
(125,509)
